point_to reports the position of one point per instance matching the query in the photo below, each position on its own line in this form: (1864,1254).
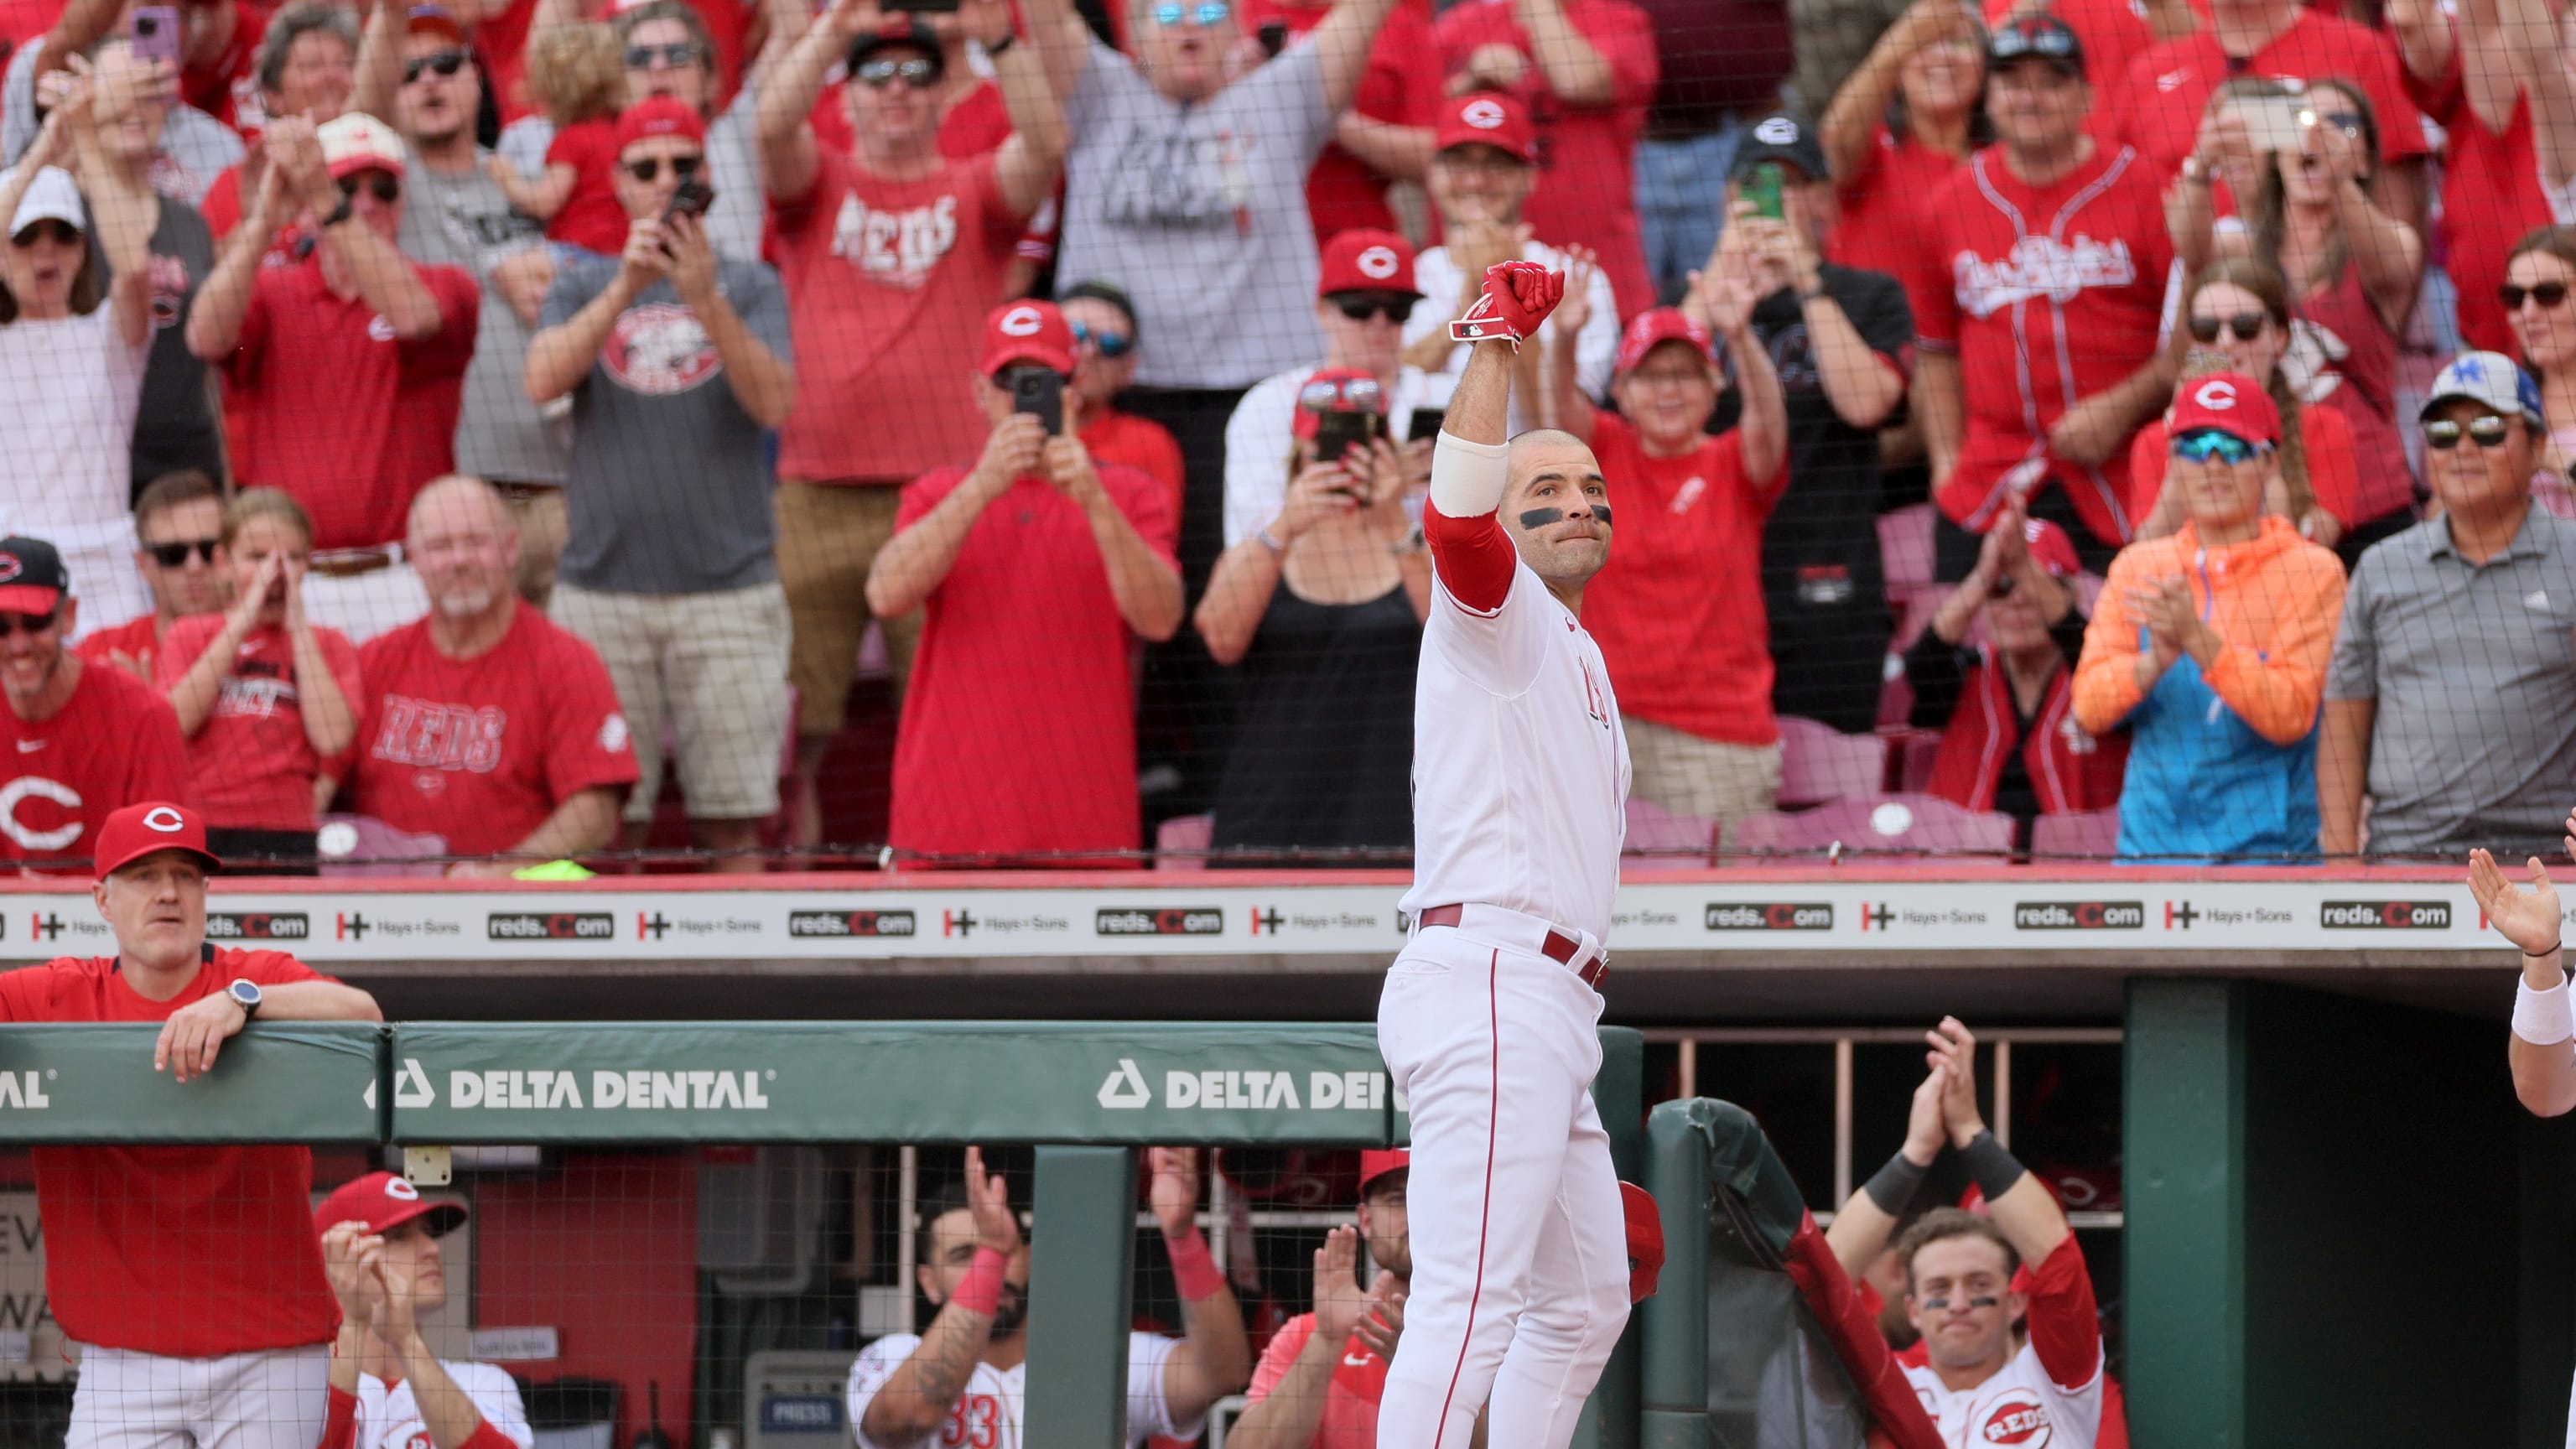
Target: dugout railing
(1085,1095)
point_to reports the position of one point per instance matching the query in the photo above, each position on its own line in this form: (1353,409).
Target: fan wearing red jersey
(188,1275)
(388,1390)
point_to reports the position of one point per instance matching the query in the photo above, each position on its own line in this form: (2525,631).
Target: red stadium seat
(1673,840)
(1909,824)
(1905,547)
(1181,842)
(1820,763)
(2083,833)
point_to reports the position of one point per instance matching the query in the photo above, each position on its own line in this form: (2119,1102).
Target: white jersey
(989,1413)
(2019,1405)
(1520,769)
(389,1418)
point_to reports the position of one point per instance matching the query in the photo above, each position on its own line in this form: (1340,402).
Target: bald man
(1520,782)
(486,724)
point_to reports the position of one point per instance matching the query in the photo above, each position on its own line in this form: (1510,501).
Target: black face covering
(1012,1311)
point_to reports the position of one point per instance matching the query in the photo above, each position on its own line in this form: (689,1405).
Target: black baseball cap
(1783,138)
(2036,37)
(32,577)
(905,30)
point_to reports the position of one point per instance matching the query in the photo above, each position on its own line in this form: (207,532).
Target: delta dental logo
(2079,915)
(1770,916)
(2385,916)
(550,926)
(258,926)
(547,1089)
(1243,1090)
(850,923)
(1159,921)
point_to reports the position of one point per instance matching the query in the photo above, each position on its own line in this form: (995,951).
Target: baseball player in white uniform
(1520,778)
(964,1384)
(388,1391)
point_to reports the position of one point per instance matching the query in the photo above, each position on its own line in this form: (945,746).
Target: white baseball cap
(52,196)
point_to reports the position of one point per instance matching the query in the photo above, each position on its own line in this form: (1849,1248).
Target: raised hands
(2531,920)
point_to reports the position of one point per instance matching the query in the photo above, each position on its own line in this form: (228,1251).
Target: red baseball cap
(1486,118)
(2231,402)
(32,577)
(139,830)
(659,116)
(435,20)
(1653,329)
(1377,1164)
(1027,332)
(1365,259)
(2051,549)
(385,1202)
(1645,1241)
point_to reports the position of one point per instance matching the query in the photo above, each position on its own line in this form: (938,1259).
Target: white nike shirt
(389,1418)
(1520,769)
(988,1415)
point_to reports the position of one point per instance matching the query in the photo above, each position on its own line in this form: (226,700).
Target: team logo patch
(1777,131)
(1378,262)
(659,349)
(2016,1418)
(164,819)
(2217,395)
(1484,115)
(613,733)
(396,1188)
(10,568)
(1021,322)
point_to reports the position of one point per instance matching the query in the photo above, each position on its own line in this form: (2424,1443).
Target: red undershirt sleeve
(2065,1327)
(1473,557)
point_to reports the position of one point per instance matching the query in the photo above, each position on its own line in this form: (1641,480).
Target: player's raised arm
(1472,554)
(2542,1047)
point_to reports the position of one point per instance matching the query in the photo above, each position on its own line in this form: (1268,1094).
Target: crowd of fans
(466,418)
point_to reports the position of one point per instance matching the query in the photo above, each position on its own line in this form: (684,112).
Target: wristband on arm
(1996,1171)
(2542,1018)
(1193,1267)
(1892,1187)
(981,1292)
(1467,478)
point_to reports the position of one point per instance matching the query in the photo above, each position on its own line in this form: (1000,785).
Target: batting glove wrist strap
(1482,325)
(2542,1018)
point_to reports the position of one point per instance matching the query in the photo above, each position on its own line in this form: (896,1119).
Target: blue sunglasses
(2209,445)
(1205,12)
(1113,345)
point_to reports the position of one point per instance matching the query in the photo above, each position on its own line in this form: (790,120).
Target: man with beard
(1319,1381)
(963,1382)
(486,723)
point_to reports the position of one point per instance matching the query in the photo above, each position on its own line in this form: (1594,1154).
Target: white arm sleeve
(1467,478)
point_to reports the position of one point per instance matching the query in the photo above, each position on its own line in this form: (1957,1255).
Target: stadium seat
(1820,763)
(1181,842)
(1905,547)
(1916,751)
(2091,834)
(1673,840)
(362,845)
(1912,824)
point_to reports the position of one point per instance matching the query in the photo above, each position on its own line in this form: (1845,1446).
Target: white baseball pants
(273,1399)
(1520,1246)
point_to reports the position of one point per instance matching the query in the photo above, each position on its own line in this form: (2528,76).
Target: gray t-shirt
(669,485)
(175,427)
(461,219)
(1200,213)
(2474,670)
(195,147)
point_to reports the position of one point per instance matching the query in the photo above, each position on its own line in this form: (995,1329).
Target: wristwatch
(246,995)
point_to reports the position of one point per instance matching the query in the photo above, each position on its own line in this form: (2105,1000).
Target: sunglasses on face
(2547,294)
(382,187)
(649,170)
(175,555)
(2444,434)
(444,63)
(2246,325)
(1112,345)
(1205,12)
(916,72)
(1398,310)
(2208,445)
(28,624)
(675,55)
(61,233)
(2013,43)
(1348,395)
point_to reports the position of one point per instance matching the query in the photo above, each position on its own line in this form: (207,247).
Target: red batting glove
(1518,296)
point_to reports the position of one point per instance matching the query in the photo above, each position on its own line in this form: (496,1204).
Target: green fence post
(1619,1093)
(2183,1147)
(1673,1372)
(1084,1249)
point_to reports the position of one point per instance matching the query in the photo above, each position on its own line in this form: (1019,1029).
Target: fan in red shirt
(86,739)
(1036,569)
(486,724)
(351,363)
(189,1274)
(1680,621)
(178,523)
(1385,136)
(1106,342)
(1933,60)
(1585,70)
(1318,1382)
(2037,289)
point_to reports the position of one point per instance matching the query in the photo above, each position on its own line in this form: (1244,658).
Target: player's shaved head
(1543,447)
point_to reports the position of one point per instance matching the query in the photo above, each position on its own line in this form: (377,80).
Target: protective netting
(988,433)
